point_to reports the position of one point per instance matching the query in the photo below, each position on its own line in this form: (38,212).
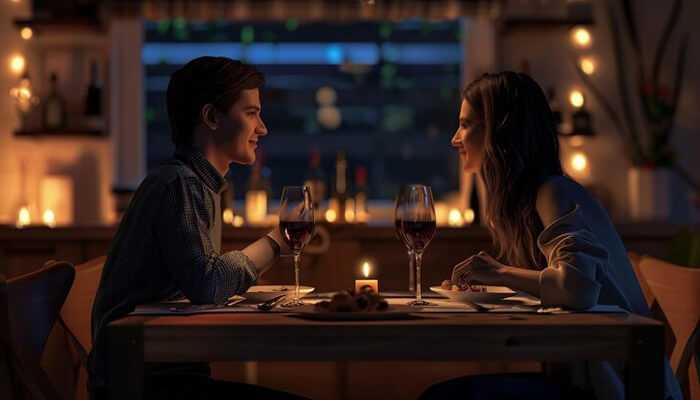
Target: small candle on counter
(360,283)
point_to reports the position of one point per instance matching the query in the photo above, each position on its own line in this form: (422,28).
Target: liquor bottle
(54,116)
(315,178)
(93,100)
(361,213)
(341,187)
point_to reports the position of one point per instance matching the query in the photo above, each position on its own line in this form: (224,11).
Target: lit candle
(49,218)
(256,206)
(469,216)
(23,217)
(454,218)
(360,283)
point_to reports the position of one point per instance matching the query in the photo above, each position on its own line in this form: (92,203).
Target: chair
(75,318)
(635,259)
(677,291)
(29,307)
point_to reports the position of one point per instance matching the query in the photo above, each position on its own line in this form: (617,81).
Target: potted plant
(649,103)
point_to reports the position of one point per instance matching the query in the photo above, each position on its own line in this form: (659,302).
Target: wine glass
(296,216)
(415,222)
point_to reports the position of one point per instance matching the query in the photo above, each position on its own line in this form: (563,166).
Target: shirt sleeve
(575,263)
(187,249)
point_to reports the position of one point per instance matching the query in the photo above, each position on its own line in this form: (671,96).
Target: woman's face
(469,139)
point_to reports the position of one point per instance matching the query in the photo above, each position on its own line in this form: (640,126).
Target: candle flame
(228,216)
(23,218)
(366,269)
(49,218)
(469,216)
(454,218)
(331,215)
(238,221)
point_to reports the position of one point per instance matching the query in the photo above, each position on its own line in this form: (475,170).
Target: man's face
(239,129)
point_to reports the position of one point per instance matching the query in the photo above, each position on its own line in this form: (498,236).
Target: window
(385,93)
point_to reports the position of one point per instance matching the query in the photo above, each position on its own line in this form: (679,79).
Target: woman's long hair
(521,151)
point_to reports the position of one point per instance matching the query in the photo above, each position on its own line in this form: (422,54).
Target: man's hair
(205,80)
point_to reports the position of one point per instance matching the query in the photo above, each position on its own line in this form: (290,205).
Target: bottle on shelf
(341,186)
(93,101)
(256,196)
(315,178)
(361,211)
(54,115)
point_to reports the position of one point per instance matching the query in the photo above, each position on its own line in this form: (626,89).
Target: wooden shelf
(62,25)
(61,132)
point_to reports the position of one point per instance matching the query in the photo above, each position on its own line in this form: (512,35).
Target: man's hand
(480,269)
(276,235)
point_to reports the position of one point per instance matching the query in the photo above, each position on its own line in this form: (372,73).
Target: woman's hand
(480,269)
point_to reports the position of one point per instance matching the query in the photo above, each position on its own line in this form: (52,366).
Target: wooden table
(434,337)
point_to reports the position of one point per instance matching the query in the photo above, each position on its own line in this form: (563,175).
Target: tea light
(454,218)
(360,283)
(23,217)
(469,216)
(56,195)
(49,218)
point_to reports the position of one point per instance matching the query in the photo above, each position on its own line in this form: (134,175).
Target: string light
(576,98)
(26,33)
(581,37)
(579,162)
(17,64)
(587,65)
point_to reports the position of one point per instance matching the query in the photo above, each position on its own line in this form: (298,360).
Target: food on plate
(447,285)
(366,300)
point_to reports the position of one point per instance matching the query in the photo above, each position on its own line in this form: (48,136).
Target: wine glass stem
(297,258)
(418,261)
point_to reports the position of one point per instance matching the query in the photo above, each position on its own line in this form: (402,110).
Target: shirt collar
(203,168)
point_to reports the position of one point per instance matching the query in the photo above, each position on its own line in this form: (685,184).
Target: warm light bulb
(581,37)
(238,221)
(454,218)
(49,218)
(469,216)
(576,141)
(228,216)
(366,269)
(26,33)
(576,98)
(17,64)
(579,162)
(331,215)
(23,218)
(587,65)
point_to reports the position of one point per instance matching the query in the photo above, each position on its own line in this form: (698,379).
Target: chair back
(77,309)
(677,291)
(29,307)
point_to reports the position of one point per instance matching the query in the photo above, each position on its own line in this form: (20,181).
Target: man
(169,240)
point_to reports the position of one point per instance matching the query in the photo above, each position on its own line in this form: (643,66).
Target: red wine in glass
(296,233)
(417,234)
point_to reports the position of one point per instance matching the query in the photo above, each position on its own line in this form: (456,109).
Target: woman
(556,242)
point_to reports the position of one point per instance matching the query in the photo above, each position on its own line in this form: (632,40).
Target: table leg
(126,362)
(645,369)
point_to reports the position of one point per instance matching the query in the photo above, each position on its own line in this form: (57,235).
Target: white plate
(492,293)
(262,293)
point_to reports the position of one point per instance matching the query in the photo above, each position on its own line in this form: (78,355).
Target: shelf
(62,25)
(68,132)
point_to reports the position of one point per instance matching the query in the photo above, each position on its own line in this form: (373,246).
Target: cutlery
(270,304)
(234,301)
